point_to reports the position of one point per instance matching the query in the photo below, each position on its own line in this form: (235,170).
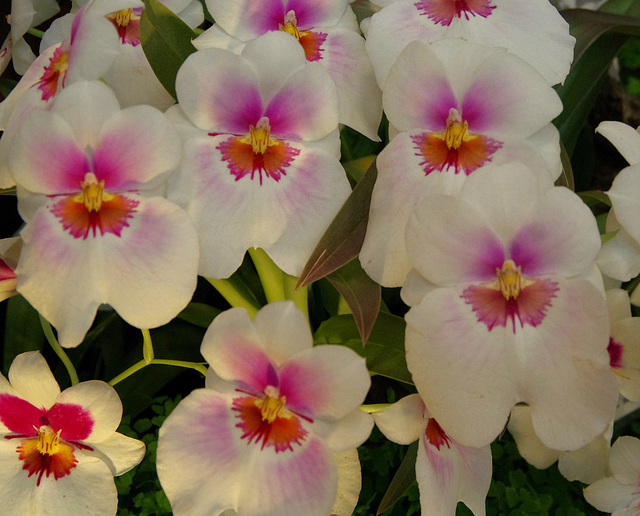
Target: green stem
(48,332)
(236,293)
(270,274)
(158,361)
(35,32)
(147,346)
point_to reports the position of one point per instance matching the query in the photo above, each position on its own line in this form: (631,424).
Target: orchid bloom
(259,439)
(457,106)
(83,49)
(131,76)
(620,255)
(89,179)
(531,29)
(24,14)
(60,450)
(261,162)
(511,310)
(327,30)
(624,344)
(9,253)
(446,471)
(618,493)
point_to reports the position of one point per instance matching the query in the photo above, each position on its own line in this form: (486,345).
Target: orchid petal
(402,422)
(624,138)
(200,433)
(32,379)
(324,381)
(218,91)
(103,404)
(119,452)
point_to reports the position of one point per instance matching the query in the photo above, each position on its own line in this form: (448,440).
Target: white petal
(31,377)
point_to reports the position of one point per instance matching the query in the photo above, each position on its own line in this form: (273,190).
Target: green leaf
(362,294)
(384,353)
(403,479)
(356,168)
(599,37)
(628,7)
(23,331)
(595,197)
(566,177)
(343,238)
(199,314)
(166,41)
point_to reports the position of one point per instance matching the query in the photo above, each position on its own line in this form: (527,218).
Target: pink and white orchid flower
(531,29)
(328,32)
(458,106)
(620,255)
(261,162)
(84,50)
(60,450)
(259,439)
(446,471)
(89,179)
(511,311)
(24,14)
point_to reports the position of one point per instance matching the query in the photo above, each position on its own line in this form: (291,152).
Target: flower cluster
(147,153)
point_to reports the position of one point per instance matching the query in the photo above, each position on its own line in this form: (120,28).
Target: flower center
(259,136)
(127,23)
(92,193)
(48,440)
(511,297)
(121,18)
(510,281)
(436,435)
(444,11)
(46,453)
(257,152)
(290,25)
(456,147)
(54,73)
(94,210)
(266,419)
(272,406)
(311,41)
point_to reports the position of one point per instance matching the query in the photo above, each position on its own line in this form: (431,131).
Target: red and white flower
(60,450)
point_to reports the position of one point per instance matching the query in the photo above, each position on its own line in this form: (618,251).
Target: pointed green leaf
(362,294)
(166,41)
(566,176)
(595,197)
(343,238)
(599,37)
(385,352)
(403,479)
